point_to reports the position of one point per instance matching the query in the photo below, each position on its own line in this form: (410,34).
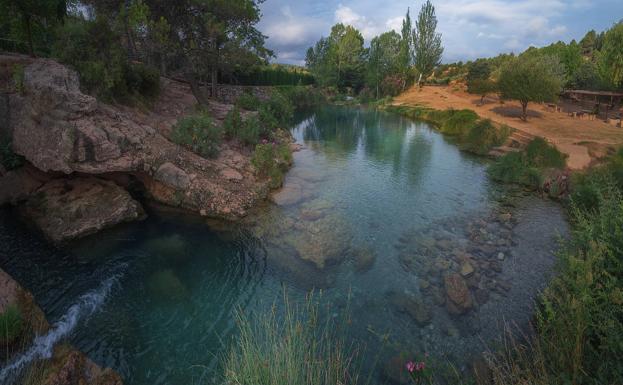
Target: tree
(340,59)
(31,13)
(426,41)
(531,79)
(406,47)
(611,56)
(479,79)
(212,37)
(346,55)
(384,59)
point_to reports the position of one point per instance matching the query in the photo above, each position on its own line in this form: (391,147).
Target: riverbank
(584,141)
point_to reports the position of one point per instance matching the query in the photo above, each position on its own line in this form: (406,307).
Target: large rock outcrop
(67,366)
(71,208)
(58,128)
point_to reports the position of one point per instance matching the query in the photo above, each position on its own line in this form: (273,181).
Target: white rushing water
(43,345)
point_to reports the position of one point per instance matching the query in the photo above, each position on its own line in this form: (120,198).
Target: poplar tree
(426,40)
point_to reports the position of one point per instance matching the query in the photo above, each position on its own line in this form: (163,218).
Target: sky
(469,28)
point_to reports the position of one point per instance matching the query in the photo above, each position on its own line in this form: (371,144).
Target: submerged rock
(364,259)
(71,208)
(166,285)
(459,298)
(417,309)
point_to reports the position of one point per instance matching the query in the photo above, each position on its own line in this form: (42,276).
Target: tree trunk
(195,88)
(214,78)
(482,99)
(524,114)
(28,25)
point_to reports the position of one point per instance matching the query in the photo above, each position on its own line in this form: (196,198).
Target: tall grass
(302,347)
(579,322)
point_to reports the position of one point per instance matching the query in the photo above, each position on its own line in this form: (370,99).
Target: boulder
(65,209)
(459,298)
(57,128)
(173,176)
(417,309)
(18,185)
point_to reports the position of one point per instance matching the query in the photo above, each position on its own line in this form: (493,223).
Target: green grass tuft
(299,348)
(11,324)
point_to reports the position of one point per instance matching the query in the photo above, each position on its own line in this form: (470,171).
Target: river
(375,213)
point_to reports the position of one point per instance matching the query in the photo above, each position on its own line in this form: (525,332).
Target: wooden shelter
(599,102)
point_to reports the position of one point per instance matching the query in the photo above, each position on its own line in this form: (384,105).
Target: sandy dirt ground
(583,140)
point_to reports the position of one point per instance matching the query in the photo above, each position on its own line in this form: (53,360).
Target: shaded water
(376,211)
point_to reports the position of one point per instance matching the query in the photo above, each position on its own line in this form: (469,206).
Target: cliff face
(62,131)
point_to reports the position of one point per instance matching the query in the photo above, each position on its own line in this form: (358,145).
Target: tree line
(120,47)
(391,62)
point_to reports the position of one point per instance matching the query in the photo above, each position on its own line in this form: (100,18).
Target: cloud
(347,16)
(470,28)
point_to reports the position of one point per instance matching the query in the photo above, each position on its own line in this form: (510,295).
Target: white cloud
(346,15)
(395,23)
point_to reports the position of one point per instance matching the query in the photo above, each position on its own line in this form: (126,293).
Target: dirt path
(583,140)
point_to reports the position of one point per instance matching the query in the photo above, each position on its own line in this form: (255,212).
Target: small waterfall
(43,346)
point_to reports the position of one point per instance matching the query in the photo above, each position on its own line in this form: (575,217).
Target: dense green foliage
(611,56)
(527,167)
(276,75)
(199,133)
(531,79)
(248,101)
(340,59)
(580,318)
(94,50)
(384,69)
(11,324)
(301,347)
(303,97)
(479,79)
(483,136)
(272,160)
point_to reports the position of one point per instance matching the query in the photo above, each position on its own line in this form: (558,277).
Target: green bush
(301,347)
(458,122)
(142,80)
(276,112)
(527,167)
(8,159)
(11,324)
(272,160)
(199,133)
(541,154)
(483,136)
(303,97)
(248,101)
(232,123)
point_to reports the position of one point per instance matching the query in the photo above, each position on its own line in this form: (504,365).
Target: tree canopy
(426,41)
(531,79)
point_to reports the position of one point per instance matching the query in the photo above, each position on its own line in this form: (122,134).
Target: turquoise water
(376,209)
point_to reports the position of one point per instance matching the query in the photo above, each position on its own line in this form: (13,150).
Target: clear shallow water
(376,207)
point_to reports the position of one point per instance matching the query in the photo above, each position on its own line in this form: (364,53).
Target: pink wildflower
(410,366)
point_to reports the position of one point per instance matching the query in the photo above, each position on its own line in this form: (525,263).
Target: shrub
(299,348)
(303,97)
(199,133)
(8,159)
(459,122)
(248,101)
(279,108)
(272,160)
(11,324)
(527,167)
(232,123)
(541,154)
(18,78)
(483,136)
